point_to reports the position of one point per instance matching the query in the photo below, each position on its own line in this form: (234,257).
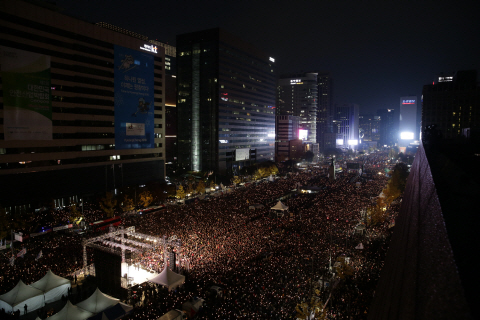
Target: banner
(19,237)
(27,106)
(22,252)
(134,99)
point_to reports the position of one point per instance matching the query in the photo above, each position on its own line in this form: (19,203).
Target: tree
(74,212)
(189,188)
(375,214)
(399,177)
(180,193)
(145,198)
(309,156)
(273,169)
(107,204)
(344,270)
(200,187)
(236,180)
(127,203)
(393,153)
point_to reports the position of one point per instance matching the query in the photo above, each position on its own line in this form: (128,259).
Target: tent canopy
(168,278)
(20,296)
(279,206)
(20,293)
(71,312)
(49,282)
(97,302)
(52,286)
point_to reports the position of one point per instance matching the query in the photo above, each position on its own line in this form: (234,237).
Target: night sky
(377,51)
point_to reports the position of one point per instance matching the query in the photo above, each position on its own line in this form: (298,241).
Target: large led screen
(134,120)
(242,154)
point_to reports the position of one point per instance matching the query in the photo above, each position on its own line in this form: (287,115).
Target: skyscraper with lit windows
(225,102)
(298,96)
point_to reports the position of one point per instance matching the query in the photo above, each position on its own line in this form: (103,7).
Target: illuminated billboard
(408,118)
(352,142)
(27,103)
(339,142)
(242,154)
(133,81)
(406,135)
(302,134)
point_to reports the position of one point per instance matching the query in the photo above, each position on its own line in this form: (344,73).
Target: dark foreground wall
(420,279)
(38,187)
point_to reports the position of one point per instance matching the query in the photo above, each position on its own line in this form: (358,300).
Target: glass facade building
(298,96)
(225,102)
(74,106)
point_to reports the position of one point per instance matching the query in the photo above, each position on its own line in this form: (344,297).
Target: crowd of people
(266,265)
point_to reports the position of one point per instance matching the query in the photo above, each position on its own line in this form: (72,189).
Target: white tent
(168,278)
(53,286)
(71,312)
(97,302)
(22,295)
(280,208)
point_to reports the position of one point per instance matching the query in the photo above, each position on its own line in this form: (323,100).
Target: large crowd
(266,265)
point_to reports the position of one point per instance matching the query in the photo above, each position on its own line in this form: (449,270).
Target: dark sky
(377,51)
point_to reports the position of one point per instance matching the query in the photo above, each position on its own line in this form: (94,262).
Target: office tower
(298,96)
(93,121)
(407,125)
(451,105)
(347,117)
(388,126)
(225,104)
(369,135)
(287,127)
(325,110)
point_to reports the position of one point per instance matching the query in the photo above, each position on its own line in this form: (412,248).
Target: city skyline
(376,52)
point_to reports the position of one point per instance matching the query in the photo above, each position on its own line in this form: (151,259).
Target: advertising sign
(134,120)
(27,106)
(242,154)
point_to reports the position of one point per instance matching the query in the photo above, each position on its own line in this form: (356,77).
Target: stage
(135,276)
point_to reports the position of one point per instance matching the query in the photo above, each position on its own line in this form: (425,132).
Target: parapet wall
(420,279)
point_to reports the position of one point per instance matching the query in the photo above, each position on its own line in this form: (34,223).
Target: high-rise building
(298,96)
(325,111)
(369,127)
(225,104)
(388,127)
(347,117)
(286,130)
(90,120)
(451,105)
(169,89)
(407,125)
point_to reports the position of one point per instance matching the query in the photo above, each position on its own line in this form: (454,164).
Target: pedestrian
(75,278)
(25,308)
